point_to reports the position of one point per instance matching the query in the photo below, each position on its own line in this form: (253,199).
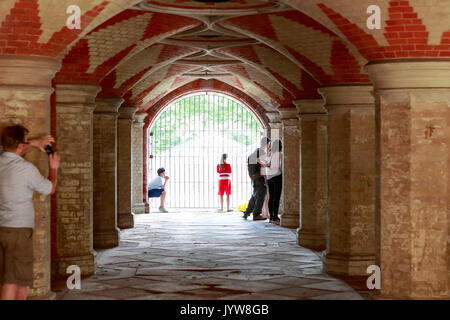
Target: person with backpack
(256,202)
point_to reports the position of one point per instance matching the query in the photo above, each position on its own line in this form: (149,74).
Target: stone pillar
(145,164)
(137,163)
(125,215)
(72,222)
(291,168)
(106,233)
(313,117)
(25,89)
(351,136)
(413,180)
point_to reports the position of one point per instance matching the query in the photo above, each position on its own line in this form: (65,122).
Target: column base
(311,240)
(48,296)
(105,239)
(86,263)
(139,208)
(125,220)
(289,221)
(348,265)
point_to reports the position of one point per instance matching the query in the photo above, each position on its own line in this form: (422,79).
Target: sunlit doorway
(188,138)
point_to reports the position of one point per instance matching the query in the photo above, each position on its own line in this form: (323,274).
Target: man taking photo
(19,179)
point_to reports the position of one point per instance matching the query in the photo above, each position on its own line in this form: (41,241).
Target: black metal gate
(188,138)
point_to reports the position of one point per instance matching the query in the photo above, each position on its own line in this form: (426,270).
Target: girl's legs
(228,202)
(221,202)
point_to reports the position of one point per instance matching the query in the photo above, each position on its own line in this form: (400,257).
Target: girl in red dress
(224,171)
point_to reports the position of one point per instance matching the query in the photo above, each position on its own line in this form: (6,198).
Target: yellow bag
(243,207)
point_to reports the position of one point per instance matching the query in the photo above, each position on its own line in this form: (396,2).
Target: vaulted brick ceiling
(270,51)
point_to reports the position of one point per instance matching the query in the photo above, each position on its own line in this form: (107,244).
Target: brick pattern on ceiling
(241,72)
(140,66)
(119,48)
(289,75)
(306,42)
(158,82)
(410,29)
(115,42)
(207,5)
(38,27)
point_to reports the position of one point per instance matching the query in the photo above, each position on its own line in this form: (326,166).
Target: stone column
(313,117)
(72,223)
(145,164)
(106,233)
(25,89)
(351,136)
(137,163)
(413,180)
(291,168)
(125,215)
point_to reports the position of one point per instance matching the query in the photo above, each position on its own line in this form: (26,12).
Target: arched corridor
(199,255)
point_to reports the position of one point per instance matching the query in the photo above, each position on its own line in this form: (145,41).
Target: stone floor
(205,255)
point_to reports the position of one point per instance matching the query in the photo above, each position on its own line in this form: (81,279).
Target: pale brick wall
(74,199)
(106,233)
(124,160)
(137,164)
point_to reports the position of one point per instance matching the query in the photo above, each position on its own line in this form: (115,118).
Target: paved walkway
(204,255)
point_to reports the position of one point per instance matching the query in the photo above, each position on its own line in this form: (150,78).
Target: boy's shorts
(155,193)
(16,256)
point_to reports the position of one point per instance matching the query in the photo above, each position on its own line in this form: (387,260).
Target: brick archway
(209,85)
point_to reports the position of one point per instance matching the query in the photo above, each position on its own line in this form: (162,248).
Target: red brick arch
(209,86)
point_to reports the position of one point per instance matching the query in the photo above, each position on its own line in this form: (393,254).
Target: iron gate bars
(188,138)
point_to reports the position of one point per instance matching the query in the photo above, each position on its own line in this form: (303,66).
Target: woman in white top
(273,170)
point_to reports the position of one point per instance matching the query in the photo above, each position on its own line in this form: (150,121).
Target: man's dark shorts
(16,256)
(155,193)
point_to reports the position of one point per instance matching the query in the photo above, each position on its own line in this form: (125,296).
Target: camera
(49,150)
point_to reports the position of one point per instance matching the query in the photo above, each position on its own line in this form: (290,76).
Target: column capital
(76,94)
(356,95)
(409,74)
(289,117)
(140,117)
(127,112)
(275,125)
(108,105)
(287,113)
(274,117)
(310,106)
(31,71)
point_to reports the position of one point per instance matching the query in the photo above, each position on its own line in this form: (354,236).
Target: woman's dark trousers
(275,187)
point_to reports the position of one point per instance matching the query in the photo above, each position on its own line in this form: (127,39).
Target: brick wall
(137,166)
(124,173)
(105,174)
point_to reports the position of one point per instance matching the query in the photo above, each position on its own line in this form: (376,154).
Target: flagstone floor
(205,255)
